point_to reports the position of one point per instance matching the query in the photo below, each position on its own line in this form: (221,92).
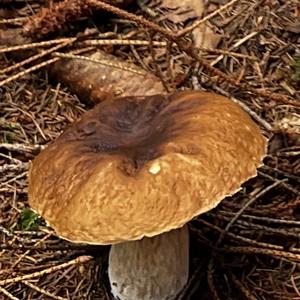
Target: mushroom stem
(152,268)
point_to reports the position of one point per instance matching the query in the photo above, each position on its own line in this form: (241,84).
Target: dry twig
(78,260)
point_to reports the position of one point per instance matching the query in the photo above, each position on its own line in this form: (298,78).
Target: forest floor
(246,248)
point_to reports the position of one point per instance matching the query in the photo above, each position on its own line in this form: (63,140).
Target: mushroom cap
(141,166)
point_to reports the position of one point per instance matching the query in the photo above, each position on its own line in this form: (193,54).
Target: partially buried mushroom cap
(141,166)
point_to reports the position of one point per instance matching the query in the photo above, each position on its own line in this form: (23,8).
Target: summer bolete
(134,170)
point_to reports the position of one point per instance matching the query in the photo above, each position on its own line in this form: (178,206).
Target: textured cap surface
(140,166)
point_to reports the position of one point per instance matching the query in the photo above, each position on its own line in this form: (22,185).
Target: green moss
(29,220)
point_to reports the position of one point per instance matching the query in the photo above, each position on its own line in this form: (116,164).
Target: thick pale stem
(152,268)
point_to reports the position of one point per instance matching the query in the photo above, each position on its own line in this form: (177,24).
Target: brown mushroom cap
(141,166)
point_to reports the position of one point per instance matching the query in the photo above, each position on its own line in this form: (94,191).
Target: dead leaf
(204,36)
(182,10)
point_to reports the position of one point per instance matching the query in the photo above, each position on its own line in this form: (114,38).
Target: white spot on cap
(155,168)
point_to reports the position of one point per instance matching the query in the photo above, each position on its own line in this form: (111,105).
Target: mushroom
(134,170)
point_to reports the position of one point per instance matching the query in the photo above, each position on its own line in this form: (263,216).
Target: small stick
(194,280)
(6,231)
(42,291)
(290,205)
(288,153)
(14,20)
(35,45)
(252,250)
(251,200)
(22,147)
(122,42)
(210,279)
(244,239)
(264,228)
(36,67)
(294,285)
(23,246)
(13,179)
(78,260)
(28,71)
(14,236)
(233,81)
(157,67)
(226,52)
(254,115)
(12,159)
(130,16)
(9,295)
(99,61)
(279,172)
(246,292)
(245,107)
(28,251)
(285,185)
(13,167)
(272,220)
(35,57)
(237,44)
